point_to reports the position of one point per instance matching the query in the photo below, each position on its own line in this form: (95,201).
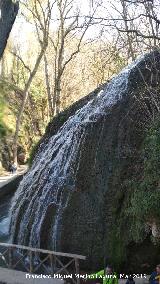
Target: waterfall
(46,189)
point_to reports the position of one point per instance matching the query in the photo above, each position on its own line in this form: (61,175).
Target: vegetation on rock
(58,52)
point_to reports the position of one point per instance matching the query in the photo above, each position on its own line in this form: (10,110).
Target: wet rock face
(8,12)
(73,193)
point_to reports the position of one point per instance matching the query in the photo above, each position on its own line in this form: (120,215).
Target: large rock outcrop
(75,194)
(8,13)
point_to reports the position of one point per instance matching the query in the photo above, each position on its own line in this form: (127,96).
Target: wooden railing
(34,260)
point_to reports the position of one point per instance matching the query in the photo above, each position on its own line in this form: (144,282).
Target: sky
(22,30)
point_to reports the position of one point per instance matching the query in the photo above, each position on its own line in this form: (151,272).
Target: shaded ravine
(44,195)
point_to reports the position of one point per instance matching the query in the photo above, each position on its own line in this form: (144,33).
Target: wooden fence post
(31,261)
(52,264)
(53,258)
(10,257)
(77,270)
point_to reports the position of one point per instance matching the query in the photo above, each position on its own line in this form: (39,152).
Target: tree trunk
(25,97)
(129,38)
(57,96)
(48,88)
(8,12)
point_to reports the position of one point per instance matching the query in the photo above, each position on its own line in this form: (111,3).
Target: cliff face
(8,12)
(76,196)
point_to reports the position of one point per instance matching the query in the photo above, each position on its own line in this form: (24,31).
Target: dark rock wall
(101,194)
(95,223)
(8,12)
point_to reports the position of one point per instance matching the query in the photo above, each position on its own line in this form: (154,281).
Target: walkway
(36,261)
(10,177)
(8,276)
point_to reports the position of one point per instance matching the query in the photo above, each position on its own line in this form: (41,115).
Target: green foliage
(32,155)
(140,206)
(2,106)
(117,248)
(3,129)
(144,204)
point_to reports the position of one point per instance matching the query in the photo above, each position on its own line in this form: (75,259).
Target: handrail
(52,261)
(70,255)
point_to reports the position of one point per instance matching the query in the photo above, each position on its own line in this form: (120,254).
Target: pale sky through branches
(22,30)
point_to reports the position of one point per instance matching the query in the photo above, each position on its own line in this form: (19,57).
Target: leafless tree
(37,10)
(135,23)
(70,26)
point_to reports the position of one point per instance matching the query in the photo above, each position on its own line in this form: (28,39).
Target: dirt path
(7,177)
(8,276)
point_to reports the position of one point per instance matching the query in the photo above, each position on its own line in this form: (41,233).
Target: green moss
(136,199)
(3,128)
(32,154)
(117,250)
(142,206)
(144,203)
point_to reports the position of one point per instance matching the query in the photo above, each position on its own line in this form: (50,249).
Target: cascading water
(49,184)
(4,218)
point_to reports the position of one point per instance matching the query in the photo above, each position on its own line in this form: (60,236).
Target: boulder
(74,197)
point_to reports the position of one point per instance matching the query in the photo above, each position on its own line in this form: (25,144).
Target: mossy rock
(96,221)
